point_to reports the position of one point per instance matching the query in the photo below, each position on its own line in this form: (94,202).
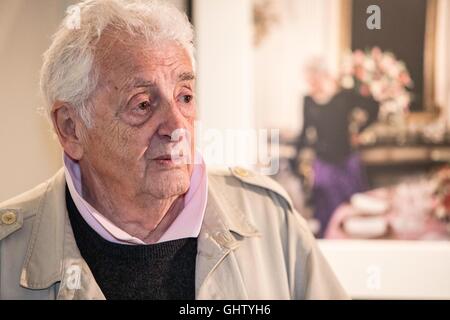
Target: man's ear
(68,127)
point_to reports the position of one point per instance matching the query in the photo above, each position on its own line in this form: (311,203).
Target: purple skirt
(334,184)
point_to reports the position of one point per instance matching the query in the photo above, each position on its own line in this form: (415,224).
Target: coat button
(9,217)
(241,172)
(224,238)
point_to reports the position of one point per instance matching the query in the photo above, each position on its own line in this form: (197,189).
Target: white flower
(403,100)
(369,64)
(347,82)
(376,88)
(389,107)
(394,70)
(387,62)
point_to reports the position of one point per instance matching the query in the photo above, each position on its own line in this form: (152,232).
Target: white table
(391,269)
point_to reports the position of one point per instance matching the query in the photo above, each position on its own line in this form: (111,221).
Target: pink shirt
(186,225)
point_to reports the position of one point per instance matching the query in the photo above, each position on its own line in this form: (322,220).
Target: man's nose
(172,122)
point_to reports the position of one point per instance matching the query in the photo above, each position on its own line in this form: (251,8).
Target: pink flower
(358,57)
(360,73)
(405,79)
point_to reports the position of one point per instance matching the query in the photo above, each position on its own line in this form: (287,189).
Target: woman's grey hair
(69,73)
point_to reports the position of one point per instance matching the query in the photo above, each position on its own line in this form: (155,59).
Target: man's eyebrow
(141,83)
(186,76)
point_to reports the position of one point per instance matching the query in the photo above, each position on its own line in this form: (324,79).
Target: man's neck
(142,216)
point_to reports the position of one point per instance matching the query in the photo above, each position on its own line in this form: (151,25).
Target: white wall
(223,39)
(29,154)
(224,74)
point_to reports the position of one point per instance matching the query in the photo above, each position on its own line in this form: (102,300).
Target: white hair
(68,73)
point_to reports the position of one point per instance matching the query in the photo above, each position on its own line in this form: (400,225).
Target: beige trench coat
(252,245)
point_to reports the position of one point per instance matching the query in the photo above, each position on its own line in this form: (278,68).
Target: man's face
(144,94)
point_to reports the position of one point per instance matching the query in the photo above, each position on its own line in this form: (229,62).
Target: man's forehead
(134,60)
(121,48)
(135,69)
(121,56)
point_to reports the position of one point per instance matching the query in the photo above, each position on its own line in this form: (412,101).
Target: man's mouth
(166,161)
(164,157)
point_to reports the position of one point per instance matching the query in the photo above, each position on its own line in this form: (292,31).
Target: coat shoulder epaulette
(14,211)
(255,179)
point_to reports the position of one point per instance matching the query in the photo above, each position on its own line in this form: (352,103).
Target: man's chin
(169,182)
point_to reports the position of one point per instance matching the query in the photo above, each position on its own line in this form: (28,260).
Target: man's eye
(143,107)
(187,98)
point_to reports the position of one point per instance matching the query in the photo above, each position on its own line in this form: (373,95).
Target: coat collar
(53,256)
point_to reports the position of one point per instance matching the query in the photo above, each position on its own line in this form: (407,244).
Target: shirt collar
(187,224)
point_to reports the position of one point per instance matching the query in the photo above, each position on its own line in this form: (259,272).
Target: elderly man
(124,219)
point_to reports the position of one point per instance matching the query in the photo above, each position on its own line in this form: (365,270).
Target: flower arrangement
(380,75)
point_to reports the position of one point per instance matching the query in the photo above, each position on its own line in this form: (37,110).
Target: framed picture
(408,29)
(350,172)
